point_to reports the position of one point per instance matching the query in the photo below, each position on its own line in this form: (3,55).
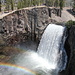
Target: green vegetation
(0,6)
(55,3)
(28,3)
(74,5)
(9,5)
(70,23)
(12,4)
(61,4)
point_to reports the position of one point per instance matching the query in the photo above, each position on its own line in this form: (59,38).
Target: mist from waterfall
(51,46)
(49,59)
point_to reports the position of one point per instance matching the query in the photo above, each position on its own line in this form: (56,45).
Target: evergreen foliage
(61,4)
(0,6)
(73,4)
(70,23)
(10,4)
(56,3)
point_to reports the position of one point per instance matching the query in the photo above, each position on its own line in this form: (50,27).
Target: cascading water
(49,59)
(51,46)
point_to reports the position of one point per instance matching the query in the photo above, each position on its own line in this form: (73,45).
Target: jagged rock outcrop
(25,23)
(28,23)
(70,47)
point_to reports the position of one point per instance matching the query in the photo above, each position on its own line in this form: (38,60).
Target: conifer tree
(7,5)
(74,4)
(0,5)
(10,3)
(61,4)
(56,4)
(49,2)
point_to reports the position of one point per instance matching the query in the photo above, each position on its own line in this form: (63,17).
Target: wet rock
(70,46)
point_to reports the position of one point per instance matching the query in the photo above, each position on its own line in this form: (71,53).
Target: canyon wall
(27,23)
(70,47)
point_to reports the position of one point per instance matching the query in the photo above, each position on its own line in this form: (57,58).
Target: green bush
(70,23)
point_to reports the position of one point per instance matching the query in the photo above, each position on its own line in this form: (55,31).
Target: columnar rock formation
(25,23)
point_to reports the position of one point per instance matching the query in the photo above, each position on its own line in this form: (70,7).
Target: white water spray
(51,46)
(50,57)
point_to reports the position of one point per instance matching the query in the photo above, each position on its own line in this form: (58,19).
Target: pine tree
(7,5)
(61,4)
(20,4)
(0,5)
(10,3)
(49,2)
(74,4)
(56,4)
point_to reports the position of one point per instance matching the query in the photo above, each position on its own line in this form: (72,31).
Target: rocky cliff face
(70,47)
(30,23)
(25,23)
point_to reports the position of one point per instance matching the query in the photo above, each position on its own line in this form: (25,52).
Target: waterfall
(51,46)
(49,59)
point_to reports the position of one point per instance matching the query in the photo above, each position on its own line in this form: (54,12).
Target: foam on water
(49,59)
(51,46)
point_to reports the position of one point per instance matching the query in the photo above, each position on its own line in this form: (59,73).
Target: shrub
(70,23)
